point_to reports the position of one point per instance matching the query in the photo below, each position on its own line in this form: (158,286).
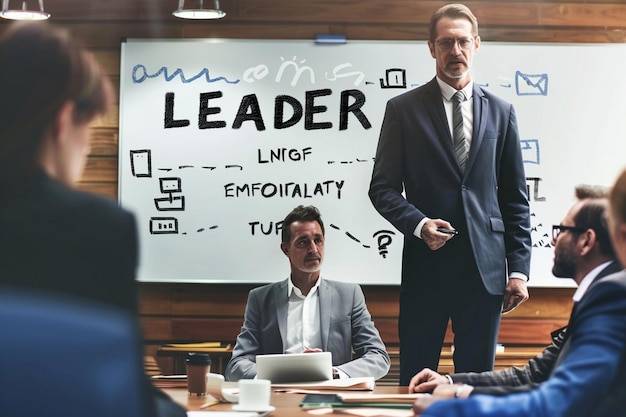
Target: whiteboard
(220,139)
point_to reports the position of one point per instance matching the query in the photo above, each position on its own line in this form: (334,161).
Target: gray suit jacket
(346,327)
(538,369)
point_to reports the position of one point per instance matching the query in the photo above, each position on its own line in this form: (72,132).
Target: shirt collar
(292,289)
(447,91)
(587,280)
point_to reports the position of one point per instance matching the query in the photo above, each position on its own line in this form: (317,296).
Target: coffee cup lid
(198,358)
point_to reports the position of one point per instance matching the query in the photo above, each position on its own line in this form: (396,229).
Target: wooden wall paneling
(193,313)
(547,303)
(205,313)
(206,329)
(155,299)
(102,35)
(174,312)
(105,24)
(108,190)
(157,329)
(104,142)
(224,300)
(108,120)
(382,301)
(109,59)
(528,331)
(494,12)
(100,169)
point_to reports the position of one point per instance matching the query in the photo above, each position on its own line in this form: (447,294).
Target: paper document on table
(334,400)
(222,414)
(181,377)
(208,346)
(363,412)
(169,381)
(349,384)
(380,398)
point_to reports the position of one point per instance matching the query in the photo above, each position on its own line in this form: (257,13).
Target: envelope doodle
(531,84)
(530,151)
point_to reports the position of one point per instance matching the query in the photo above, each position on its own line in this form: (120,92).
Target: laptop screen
(295,367)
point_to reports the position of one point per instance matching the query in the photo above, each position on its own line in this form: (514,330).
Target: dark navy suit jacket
(538,369)
(488,204)
(590,378)
(58,239)
(63,241)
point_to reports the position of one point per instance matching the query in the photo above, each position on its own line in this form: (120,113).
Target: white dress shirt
(587,280)
(303,319)
(303,322)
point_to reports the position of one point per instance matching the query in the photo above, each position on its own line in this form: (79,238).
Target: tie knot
(459,96)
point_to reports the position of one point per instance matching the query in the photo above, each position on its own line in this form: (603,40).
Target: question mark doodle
(384,240)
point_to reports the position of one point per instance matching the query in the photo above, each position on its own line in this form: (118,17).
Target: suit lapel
(282,309)
(481,109)
(610,269)
(325,306)
(438,116)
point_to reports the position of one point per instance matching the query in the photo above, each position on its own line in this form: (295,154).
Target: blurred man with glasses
(582,252)
(449,157)
(587,374)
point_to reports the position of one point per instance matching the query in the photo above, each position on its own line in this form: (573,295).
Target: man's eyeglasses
(446,45)
(557,229)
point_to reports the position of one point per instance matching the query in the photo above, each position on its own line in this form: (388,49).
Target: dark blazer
(59,240)
(538,369)
(588,381)
(345,323)
(488,204)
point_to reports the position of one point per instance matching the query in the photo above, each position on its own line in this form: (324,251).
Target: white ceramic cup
(254,394)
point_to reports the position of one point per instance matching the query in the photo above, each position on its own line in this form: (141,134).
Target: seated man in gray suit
(306,313)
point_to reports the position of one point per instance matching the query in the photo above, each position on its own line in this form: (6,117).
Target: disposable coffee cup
(254,394)
(198,366)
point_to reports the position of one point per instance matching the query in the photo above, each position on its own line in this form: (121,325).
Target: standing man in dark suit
(582,252)
(589,376)
(423,180)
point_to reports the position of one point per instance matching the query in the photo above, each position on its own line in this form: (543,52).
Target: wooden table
(287,404)
(219,355)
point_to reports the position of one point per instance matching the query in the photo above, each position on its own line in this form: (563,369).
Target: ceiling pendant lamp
(200,13)
(23,13)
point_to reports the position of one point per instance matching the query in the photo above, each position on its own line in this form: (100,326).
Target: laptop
(295,367)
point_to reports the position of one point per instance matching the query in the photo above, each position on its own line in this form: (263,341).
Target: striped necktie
(458,137)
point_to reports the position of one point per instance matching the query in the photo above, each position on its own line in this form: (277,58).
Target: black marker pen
(448,231)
